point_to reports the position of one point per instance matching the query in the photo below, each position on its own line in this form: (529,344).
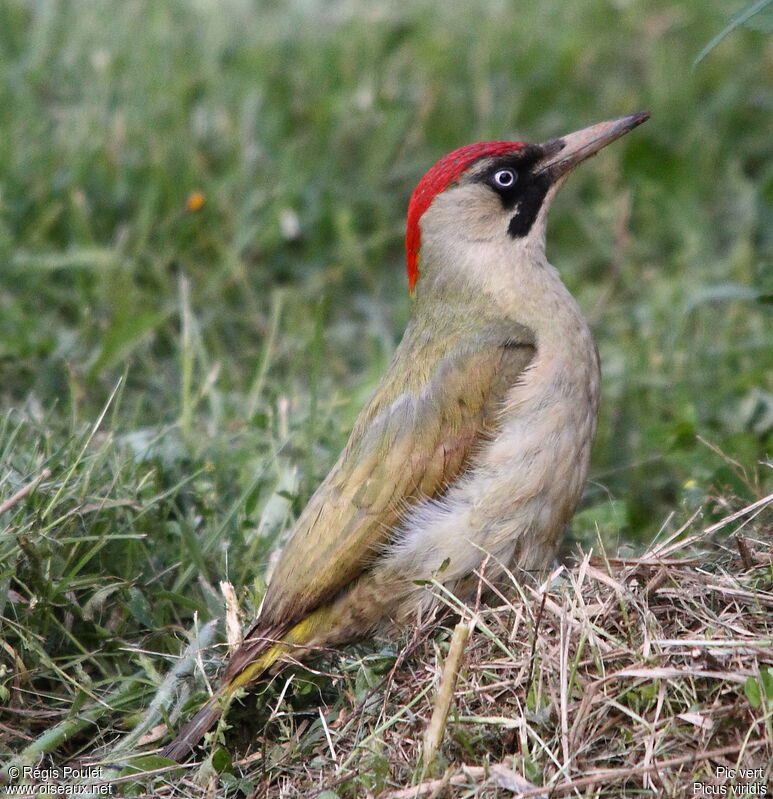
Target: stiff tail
(247,665)
(183,745)
(190,735)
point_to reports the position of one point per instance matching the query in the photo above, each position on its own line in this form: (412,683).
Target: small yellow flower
(195,201)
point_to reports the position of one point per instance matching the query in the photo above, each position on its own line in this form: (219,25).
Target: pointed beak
(562,155)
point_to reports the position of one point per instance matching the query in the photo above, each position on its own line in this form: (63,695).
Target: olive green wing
(439,400)
(430,412)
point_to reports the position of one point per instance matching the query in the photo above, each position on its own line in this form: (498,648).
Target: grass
(176,377)
(586,682)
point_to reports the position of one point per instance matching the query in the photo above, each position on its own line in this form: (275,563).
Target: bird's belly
(536,469)
(520,489)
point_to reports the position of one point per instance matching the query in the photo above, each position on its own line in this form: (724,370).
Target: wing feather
(430,412)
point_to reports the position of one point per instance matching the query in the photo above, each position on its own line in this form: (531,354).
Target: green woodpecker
(477,441)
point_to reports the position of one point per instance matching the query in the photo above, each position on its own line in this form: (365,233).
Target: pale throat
(565,367)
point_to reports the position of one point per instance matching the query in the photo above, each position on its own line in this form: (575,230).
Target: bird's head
(498,191)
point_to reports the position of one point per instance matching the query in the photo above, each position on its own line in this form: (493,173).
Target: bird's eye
(504,178)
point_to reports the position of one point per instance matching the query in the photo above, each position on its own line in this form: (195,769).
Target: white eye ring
(505,178)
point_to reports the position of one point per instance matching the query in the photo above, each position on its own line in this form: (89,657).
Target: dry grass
(615,677)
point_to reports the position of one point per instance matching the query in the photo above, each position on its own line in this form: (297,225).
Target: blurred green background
(231,345)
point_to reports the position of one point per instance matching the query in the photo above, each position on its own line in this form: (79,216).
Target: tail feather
(192,733)
(261,648)
(184,744)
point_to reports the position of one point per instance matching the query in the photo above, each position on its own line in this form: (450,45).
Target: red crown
(439,178)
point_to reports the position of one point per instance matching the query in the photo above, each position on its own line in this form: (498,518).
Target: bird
(475,446)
